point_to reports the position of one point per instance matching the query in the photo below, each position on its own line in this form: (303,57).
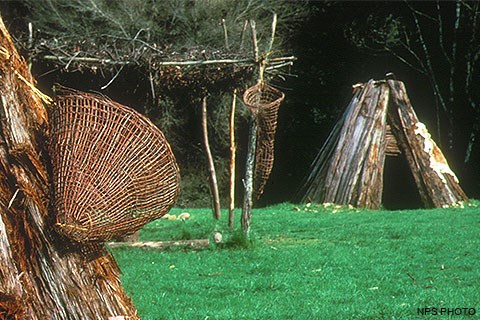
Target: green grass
(310,263)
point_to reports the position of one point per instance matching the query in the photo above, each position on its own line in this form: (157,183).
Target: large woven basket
(113,170)
(264,101)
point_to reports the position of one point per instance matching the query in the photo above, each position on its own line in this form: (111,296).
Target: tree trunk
(42,275)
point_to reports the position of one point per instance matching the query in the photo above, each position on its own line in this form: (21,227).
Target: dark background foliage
(337,44)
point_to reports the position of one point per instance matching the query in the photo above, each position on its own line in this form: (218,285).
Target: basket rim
(257,88)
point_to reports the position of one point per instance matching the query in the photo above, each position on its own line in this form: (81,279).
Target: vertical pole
(30,45)
(225,33)
(211,166)
(252,138)
(232,160)
(252,142)
(249,175)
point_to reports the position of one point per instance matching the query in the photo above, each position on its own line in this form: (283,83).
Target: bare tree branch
(428,61)
(103,14)
(454,50)
(441,34)
(113,79)
(422,14)
(403,60)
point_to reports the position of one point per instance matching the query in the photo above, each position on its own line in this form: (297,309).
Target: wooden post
(242,37)
(249,173)
(30,45)
(250,162)
(42,275)
(233,148)
(211,165)
(252,138)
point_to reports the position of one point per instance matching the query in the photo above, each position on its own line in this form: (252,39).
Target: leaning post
(211,165)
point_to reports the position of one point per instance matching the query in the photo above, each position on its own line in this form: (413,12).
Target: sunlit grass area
(309,262)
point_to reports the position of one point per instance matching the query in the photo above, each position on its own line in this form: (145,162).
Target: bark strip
(42,275)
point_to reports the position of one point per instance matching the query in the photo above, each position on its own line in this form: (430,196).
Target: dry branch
(252,141)
(211,165)
(225,34)
(248,181)
(97,61)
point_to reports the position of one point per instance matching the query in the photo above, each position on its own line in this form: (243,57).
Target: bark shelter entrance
(379,121)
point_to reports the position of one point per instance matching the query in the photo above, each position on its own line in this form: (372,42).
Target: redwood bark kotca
(42,276)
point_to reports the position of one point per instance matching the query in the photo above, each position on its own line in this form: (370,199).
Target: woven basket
(262,97)
(113,170)
(264,101)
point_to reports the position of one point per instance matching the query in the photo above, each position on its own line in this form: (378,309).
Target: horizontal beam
(67,60)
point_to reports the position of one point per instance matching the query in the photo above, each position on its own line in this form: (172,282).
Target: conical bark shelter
(379,121)
(42,275)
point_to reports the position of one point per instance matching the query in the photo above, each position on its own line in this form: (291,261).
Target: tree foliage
(171,25)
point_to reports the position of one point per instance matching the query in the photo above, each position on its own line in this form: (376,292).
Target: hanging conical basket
(264,101)
(113,169)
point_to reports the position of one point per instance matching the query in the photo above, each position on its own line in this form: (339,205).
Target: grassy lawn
(310,263)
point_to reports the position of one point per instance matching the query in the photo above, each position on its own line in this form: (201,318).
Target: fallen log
(163,245)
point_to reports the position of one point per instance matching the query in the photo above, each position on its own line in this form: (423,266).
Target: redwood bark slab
(42,275)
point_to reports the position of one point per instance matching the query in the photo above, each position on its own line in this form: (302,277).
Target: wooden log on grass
(164,245)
